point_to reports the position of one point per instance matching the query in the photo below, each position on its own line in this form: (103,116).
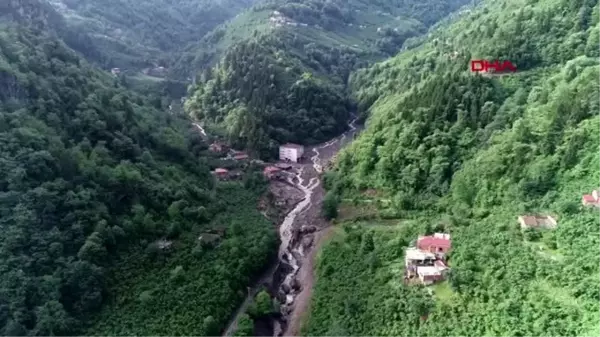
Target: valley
(145,194)
(290,279)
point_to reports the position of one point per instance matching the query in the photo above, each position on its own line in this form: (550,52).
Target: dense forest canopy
(150,31)
(449,150)
(126,33)
(100,177)
(94,175)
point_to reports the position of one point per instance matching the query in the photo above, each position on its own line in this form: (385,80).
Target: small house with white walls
(291,152)
(591,199)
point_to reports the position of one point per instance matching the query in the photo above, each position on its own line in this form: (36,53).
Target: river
(297,234)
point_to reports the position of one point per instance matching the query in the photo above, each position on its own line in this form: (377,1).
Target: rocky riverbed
(299,232)
(290,280)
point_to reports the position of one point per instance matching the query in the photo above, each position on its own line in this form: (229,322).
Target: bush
(262,305)
(245,326)
(532,234)
(330,205)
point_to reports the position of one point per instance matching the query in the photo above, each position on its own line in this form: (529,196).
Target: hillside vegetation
(94,176)
(125,33)
(449,150)
(282,66)
(141,33)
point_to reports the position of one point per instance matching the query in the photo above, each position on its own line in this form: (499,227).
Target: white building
(291,152)
(416,257)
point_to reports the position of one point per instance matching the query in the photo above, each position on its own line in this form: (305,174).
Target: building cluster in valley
(426,263)
(288,153)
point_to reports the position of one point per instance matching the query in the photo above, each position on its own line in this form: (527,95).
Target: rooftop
(417,254)
(271,169)
(444,236)
(589,198)
(164,244)
(283,166)
(438,240)
(293,146)
(537,220)
(428,270)
(221,170)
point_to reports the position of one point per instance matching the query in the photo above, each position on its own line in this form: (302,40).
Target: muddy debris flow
(297,235)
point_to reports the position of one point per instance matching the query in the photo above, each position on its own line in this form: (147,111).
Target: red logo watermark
(497,66)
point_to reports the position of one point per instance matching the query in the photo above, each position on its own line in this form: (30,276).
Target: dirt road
(306,277)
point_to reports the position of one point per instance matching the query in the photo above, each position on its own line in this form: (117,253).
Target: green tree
(245,326)
(330,204)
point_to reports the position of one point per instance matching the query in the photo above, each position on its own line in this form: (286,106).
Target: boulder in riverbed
(295,285)
(308,229)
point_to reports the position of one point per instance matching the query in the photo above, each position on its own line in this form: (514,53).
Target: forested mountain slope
(431,89)
(39,15)
(282,66)
(93,176)
(450,150)
(129,34)
(141,31)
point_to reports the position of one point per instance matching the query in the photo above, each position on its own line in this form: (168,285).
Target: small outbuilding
(221,173)
(537,221)
(592,200)
(271,172)
(430,274)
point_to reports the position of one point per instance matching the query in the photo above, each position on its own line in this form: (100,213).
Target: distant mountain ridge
(279,69)
(124,33)
(372,27)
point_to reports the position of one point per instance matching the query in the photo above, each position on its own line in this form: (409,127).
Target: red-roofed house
(438,243)
(271,171)
(221,173)
(591,199)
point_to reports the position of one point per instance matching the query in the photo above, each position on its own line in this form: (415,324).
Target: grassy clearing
(556,293)
(442,292)
(544,251)
(349,212)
